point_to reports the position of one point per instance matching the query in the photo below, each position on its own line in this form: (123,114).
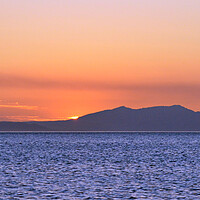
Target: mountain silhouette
(160,118)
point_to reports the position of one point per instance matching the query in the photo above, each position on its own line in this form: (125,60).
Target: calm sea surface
(100,166)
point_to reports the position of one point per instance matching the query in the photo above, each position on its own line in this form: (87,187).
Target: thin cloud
(17,118)
(28,118)
(10,81)
(24,107)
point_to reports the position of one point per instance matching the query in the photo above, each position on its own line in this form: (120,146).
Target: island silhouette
(159,118)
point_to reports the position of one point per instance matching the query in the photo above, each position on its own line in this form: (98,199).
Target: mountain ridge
(157,118)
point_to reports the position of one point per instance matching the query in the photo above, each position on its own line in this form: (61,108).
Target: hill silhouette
(160,118)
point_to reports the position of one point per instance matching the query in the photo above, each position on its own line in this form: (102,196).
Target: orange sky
(72,57)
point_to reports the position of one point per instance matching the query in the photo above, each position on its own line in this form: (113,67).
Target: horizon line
(118,107)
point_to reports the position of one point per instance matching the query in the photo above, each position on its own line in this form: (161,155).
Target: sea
(99,165)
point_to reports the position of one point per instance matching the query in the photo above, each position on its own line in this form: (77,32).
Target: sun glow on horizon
(73,117)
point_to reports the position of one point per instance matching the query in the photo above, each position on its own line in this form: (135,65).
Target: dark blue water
(100,166)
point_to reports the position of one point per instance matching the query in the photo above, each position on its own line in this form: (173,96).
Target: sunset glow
(64,57)
(73,117)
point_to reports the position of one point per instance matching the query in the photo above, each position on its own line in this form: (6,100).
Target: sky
(68,58)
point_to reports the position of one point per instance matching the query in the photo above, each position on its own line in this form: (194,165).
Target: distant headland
(160,118)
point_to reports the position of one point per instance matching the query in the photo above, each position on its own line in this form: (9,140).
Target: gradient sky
(62,58)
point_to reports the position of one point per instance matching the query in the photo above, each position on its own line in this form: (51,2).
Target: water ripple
(100,166)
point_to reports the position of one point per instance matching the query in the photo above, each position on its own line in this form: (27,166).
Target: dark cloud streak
(10,81)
